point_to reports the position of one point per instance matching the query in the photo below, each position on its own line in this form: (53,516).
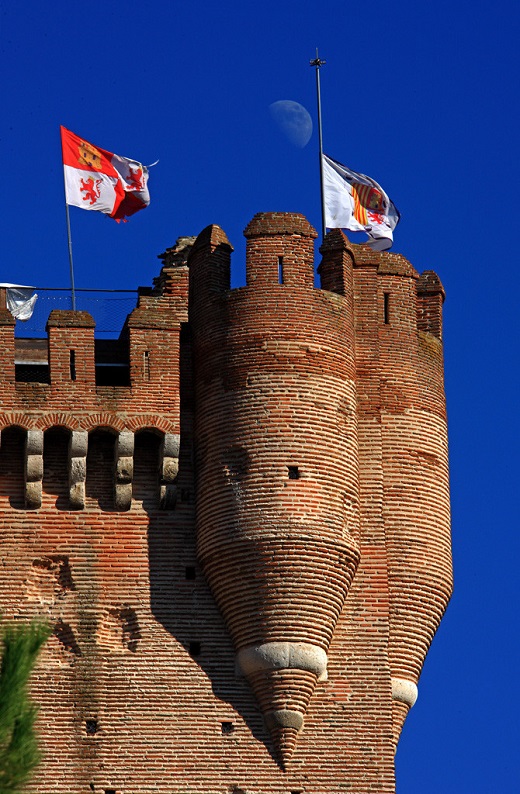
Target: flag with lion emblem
(99,180)
(356,202)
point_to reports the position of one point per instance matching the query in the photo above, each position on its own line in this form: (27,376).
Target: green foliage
(18,744)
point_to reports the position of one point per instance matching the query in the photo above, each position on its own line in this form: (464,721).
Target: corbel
(124,473)
(169,469)
(78,447)
(33,469)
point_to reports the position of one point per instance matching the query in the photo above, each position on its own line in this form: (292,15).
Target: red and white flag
(99,180)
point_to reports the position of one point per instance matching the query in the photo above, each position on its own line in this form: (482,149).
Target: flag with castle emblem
(356,202)
(99,180)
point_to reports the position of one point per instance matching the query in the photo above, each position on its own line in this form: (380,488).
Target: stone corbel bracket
(272,656)
(33,469)
(78,446)
(404,691)
(124,470)
(169,469)
(282,656)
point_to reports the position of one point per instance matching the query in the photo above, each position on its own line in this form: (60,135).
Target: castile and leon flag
(357,203)
(99,180)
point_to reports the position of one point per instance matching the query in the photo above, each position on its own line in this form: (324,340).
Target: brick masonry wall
(100,512)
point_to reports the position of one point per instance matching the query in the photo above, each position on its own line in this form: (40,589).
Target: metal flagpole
(69,238)
(71,263)
(317,62)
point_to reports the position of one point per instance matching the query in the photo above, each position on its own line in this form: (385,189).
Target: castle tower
(277,458)
(301,393)
(235,519)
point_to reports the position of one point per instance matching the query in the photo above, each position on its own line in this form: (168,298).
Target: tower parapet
(71,381)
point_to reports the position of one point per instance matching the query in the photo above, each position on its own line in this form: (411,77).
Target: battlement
(71,365)
(280,253)
(75,385)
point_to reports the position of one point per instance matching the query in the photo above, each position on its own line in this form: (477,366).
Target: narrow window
(294,472)
(72,359)
(386,307)
(194,648)
(280,269)
(146,365)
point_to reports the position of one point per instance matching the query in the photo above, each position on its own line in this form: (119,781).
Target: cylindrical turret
(276,454)
(415,473)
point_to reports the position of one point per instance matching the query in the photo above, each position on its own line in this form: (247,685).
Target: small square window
(91,727)
(294,472)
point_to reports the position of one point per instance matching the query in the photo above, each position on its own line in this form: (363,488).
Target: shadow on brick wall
(180,597)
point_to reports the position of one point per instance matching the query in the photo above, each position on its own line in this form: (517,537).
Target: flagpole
(318,63)
(71,263)
(69,237)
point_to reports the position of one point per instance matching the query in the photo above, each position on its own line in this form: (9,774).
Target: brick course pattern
(244,553)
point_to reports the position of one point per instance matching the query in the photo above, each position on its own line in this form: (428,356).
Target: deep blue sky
(421,96)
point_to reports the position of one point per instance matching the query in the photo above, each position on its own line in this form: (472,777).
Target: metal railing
(109,308)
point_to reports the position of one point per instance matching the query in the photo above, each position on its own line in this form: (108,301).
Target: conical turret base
(284,740)
(404,695)
(399,714)
(283,696)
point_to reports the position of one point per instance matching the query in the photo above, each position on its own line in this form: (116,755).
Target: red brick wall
(137,687)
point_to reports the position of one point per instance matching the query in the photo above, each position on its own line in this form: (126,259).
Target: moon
(294,120)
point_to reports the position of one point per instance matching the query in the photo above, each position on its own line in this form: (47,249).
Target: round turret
(276,455)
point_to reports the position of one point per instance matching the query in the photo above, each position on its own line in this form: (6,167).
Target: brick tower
(236,519)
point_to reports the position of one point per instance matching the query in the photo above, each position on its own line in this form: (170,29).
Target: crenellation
(7,353)
(209,264)
(430,298)
(335,269)
(280,250)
